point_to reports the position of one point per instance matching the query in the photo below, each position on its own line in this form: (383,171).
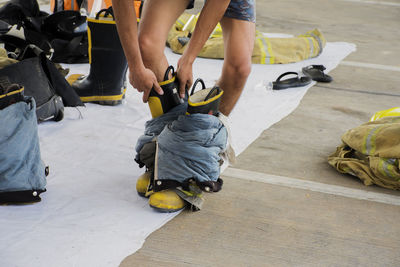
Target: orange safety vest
(73,5)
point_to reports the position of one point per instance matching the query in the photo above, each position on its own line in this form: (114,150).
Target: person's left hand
(185,75)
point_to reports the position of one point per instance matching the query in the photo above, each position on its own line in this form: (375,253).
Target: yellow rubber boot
(166,201)
(142,184)
(205,101)
(161,104)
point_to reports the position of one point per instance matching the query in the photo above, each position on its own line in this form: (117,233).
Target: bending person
(158,16)
(237,18)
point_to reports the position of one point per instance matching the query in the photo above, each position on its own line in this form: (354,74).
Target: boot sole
(166,210)
(106,100)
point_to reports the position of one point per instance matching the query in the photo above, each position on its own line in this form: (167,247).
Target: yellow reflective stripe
(102,97)
(217,32)
(311,46)
(387,168)
(181,23)
(316,49)
(386,113)
(270,54)
(12,93)
(189,22)
(191,194)
(306,43)
(319,41)
(262,51)
(369,141)
(188,193)
(205,102)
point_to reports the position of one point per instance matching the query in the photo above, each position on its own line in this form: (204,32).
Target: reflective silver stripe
(267,55)
(180,22)
(311,46)
(391,161)
(368,143)
(319,43)
(385,166)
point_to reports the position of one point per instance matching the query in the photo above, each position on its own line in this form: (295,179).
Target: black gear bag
(43,82)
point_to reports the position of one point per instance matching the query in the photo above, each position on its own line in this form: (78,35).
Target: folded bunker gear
(267,50)
(22,172)
(371,152)
(182,152)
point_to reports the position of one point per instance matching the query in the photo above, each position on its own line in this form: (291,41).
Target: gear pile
(182,148)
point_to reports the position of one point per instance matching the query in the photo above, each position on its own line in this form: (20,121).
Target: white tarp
(91,214)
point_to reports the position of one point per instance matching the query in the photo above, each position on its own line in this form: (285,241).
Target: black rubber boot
(205,101)
(161,104)
(105,83)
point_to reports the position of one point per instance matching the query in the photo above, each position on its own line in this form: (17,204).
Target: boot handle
(212,91)
(166,75)
(108,11)
(199,80)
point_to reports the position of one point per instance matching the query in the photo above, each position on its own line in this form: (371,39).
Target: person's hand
(184,75)
(144,80)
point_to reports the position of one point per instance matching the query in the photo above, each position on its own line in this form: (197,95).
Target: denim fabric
(242,10)
(154,127)
(21,167)
(190,147)
(238,9)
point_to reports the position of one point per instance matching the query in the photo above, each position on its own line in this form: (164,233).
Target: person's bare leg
(239,38)
(158,16)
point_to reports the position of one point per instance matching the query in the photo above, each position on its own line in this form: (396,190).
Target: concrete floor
(252,223)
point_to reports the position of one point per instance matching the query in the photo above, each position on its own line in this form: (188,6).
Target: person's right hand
(144,80)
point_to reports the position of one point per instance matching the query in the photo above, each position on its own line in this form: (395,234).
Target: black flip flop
(316,72)
(291,82)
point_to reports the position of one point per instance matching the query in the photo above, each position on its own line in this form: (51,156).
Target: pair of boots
(205,101)
(169,200)
(162,201)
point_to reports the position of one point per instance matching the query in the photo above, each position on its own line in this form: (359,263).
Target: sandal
(316,72)
(291,82)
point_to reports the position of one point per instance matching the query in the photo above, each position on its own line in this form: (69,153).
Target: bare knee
(244,70)
(147,45)
(239,70)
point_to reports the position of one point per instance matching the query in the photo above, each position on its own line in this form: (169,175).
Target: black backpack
(44,82)
(62,36)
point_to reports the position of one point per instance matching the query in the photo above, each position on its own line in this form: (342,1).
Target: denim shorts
(238,9)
